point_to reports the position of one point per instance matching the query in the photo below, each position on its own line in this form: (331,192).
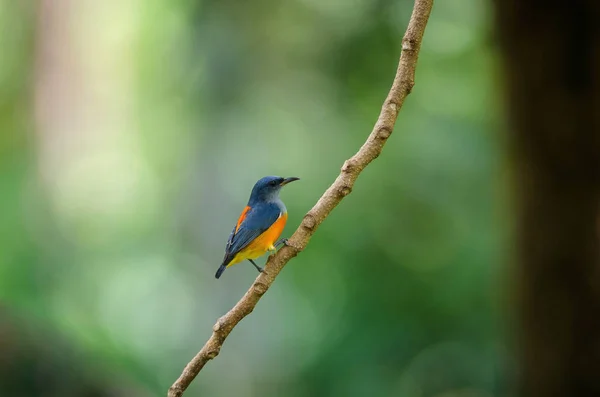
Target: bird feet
(286,242)
(283,241)
(260,269)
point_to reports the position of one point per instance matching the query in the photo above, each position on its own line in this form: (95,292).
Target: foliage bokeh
(132,133)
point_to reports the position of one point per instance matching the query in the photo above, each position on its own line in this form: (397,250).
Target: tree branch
(402,86)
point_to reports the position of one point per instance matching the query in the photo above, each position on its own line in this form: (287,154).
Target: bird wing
(252,223)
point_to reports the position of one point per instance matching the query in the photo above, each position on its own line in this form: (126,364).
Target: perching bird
(259,225)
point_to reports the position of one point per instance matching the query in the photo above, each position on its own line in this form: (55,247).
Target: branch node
(409,44)
(384,132)
(260,288)
(345,190)
(309,222)
(218,325)
(175,391)
(213,353)
(348,166)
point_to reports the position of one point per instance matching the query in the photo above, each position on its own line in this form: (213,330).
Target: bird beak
(288,180)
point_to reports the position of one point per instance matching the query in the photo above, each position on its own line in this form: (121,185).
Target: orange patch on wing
(242,217)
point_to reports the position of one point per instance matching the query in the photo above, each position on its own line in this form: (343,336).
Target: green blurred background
(131,133)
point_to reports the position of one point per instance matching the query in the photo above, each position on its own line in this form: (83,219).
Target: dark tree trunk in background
(551,54)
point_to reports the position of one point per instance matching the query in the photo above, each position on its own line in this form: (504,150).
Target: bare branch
(402,86)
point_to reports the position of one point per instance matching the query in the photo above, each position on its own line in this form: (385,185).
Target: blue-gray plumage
(259,225)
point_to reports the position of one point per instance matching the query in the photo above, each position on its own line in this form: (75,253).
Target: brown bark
(341,187)
(551,51)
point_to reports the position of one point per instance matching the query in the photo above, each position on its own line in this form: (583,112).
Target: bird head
(268,188)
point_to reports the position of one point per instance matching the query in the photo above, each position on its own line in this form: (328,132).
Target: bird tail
(220,271)
(226,261)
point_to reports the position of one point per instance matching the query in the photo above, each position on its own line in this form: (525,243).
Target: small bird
(259,225)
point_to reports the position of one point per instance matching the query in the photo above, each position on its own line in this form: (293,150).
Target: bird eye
(273,183)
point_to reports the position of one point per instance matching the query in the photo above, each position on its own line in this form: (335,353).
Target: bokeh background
(131,133)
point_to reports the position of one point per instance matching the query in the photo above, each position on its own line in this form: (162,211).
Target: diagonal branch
(403,84)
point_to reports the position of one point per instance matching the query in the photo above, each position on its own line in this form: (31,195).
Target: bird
(259,225)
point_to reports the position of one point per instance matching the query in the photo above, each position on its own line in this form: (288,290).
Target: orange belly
(262,243)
